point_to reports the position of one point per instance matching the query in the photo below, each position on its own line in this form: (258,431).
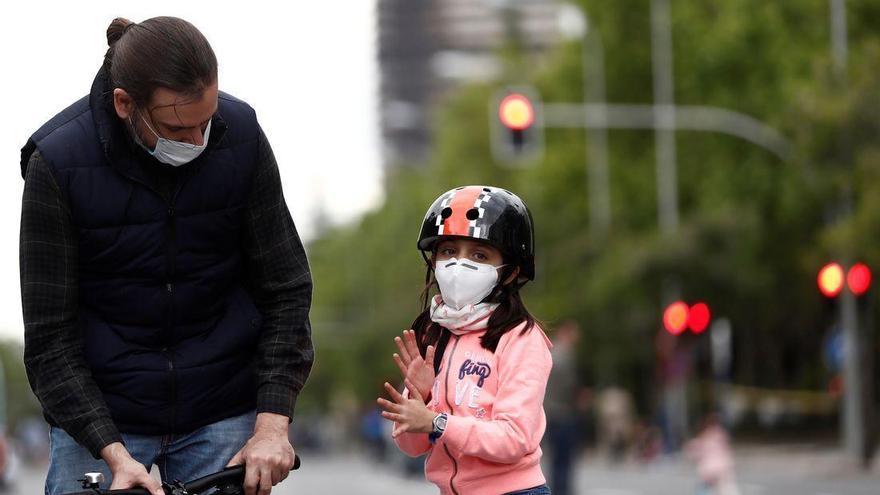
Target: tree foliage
(754,229)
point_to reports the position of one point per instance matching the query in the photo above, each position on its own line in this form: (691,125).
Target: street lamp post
(664,118)
(593,66)
(574,23)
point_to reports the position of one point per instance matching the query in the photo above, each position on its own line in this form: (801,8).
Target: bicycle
(226,482)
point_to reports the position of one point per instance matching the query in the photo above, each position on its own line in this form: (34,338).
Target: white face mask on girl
(464,282)
(175,153)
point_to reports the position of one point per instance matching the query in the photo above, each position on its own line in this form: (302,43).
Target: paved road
(761,472)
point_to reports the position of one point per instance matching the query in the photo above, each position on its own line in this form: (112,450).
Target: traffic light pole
(853,417)
(667,196)
(853,432)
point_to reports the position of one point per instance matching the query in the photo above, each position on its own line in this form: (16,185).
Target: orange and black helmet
(486,213)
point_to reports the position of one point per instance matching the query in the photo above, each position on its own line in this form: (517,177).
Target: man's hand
(417,369)
(267,456)
(126,471)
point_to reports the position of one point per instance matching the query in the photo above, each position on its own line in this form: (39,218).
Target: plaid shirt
(278,278)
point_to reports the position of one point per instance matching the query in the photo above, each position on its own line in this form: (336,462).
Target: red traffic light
(516,112)
(830,280)
(858,279)
(699,317)
(678,317)
(675,317)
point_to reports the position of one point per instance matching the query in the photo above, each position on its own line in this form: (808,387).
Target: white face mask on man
(464,282)
(174,153)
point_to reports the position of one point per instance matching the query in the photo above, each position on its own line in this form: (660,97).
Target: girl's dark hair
(160,52)
(511,311)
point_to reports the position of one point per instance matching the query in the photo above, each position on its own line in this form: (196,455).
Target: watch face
(440,422)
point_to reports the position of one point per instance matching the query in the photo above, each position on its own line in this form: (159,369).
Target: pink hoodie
(496,420)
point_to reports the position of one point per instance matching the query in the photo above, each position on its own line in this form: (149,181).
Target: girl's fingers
(404,354)
(399,362)
(413,391)
(429,356)
(409,339)
(397,431)
(395,395)
(388,405)
(397,418)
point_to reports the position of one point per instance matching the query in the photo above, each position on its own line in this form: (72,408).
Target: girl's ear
(512,276)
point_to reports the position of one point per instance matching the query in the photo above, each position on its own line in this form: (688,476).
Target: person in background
(6,453)
(616,418)
(710,450)
(565,402)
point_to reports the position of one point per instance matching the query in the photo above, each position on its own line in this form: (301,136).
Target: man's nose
(196,137)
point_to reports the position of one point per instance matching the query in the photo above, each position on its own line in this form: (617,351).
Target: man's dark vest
(168,329)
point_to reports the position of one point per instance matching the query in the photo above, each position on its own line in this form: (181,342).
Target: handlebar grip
(126,491)
(230,475)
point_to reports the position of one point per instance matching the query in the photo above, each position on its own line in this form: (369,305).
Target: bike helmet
(486,213)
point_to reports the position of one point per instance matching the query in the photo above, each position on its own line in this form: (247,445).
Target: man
(164,286)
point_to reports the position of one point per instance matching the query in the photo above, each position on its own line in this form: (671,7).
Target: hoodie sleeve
(518,422)
(412,444)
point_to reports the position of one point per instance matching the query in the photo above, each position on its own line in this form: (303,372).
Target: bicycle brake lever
(176,487)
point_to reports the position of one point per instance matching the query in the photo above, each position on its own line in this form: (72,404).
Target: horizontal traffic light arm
(687,118)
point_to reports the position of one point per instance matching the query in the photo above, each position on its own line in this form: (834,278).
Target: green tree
(754,229)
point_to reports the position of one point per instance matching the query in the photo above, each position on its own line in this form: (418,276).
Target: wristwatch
(439,423)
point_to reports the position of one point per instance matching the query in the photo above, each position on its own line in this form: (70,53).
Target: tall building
(427,47)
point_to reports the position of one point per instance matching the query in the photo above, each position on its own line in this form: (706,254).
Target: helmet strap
(428,272)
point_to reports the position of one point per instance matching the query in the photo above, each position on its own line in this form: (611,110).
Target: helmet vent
(473,214)
(446,213)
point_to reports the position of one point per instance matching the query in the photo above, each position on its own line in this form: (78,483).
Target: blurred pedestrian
(372,429)
(616,417)
(165,289)
(477,362)
(7,461)
(711,452)
(564,402)
(673,370)
(647,441)
(32,437)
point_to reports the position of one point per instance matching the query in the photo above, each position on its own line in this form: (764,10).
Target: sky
(308,68)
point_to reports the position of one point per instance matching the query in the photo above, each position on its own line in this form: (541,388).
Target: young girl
(476,364)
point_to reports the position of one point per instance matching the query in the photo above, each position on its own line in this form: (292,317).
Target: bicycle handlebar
(231,476)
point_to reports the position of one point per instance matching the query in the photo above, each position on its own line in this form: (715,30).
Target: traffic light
(679,317)
(699,317)
(832,281)
(517,125)
(858,279)
(675,318)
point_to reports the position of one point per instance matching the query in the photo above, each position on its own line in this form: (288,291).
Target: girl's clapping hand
(410,414)
(419,370)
